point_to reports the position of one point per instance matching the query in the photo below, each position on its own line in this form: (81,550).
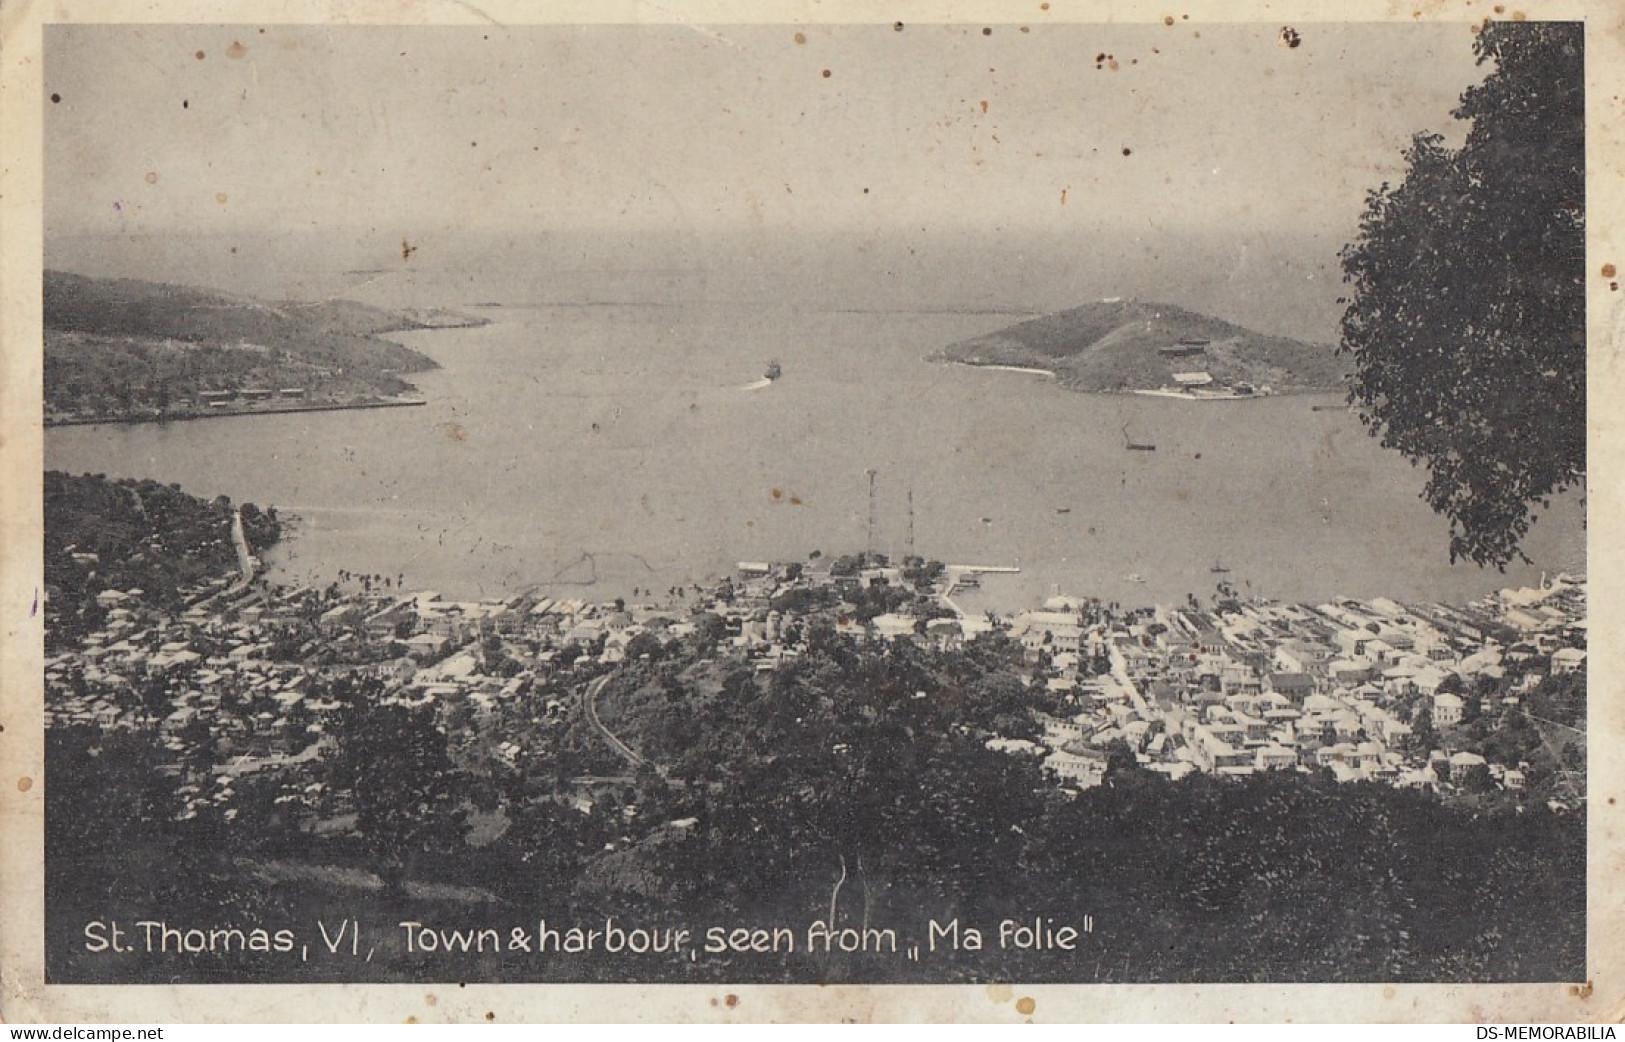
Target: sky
(1179,146)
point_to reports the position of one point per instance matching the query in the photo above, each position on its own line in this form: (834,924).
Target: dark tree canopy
(1467,316)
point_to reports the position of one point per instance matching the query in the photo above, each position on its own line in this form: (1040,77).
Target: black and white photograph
(850,500)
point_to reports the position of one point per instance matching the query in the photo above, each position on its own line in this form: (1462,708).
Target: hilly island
(124,350)
(1134,346)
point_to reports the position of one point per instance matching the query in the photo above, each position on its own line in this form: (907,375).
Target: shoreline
(1150,392)
(187,417)
(1211,396)
(1046,373)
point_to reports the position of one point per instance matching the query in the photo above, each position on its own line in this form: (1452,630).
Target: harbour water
(591,449)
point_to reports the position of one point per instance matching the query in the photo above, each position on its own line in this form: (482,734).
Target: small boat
(1063,510)
(1218,569)
(774,370)
(1135,446)
(1134,577)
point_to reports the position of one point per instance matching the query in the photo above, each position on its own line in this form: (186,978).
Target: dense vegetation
(1466,319)
(128,535)
(123,349)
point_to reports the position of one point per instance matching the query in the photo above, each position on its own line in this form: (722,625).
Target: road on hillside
(589,702)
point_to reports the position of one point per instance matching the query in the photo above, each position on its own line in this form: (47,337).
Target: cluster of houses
(1342,686)
(228,685)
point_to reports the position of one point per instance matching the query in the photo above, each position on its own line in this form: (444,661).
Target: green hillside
(123,349)
(1138,346)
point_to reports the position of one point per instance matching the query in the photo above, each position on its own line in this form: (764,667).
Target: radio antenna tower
(870,548)
(911,521)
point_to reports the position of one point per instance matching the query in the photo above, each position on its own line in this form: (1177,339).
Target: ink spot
(186,104)
(1168,20)
(826,74)
(200,56)
(1128,151)
(237,50)
(1290,36)
(407,249)
(1608,271)
(897,27)
(801,37)
(24,784)
(1025,1006)
(776,493)
(730,1000)
(987,30)
(489,1016)
(56,99)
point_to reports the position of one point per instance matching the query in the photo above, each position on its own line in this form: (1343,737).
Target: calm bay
(591,449)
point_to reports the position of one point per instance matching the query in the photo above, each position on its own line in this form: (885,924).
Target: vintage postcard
(998,511)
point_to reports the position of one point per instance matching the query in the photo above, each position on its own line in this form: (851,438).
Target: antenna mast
(911,521)
(870,548)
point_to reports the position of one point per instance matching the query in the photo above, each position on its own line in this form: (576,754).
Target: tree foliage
(1467,316)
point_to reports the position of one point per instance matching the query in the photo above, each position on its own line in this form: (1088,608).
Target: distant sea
(595,447)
